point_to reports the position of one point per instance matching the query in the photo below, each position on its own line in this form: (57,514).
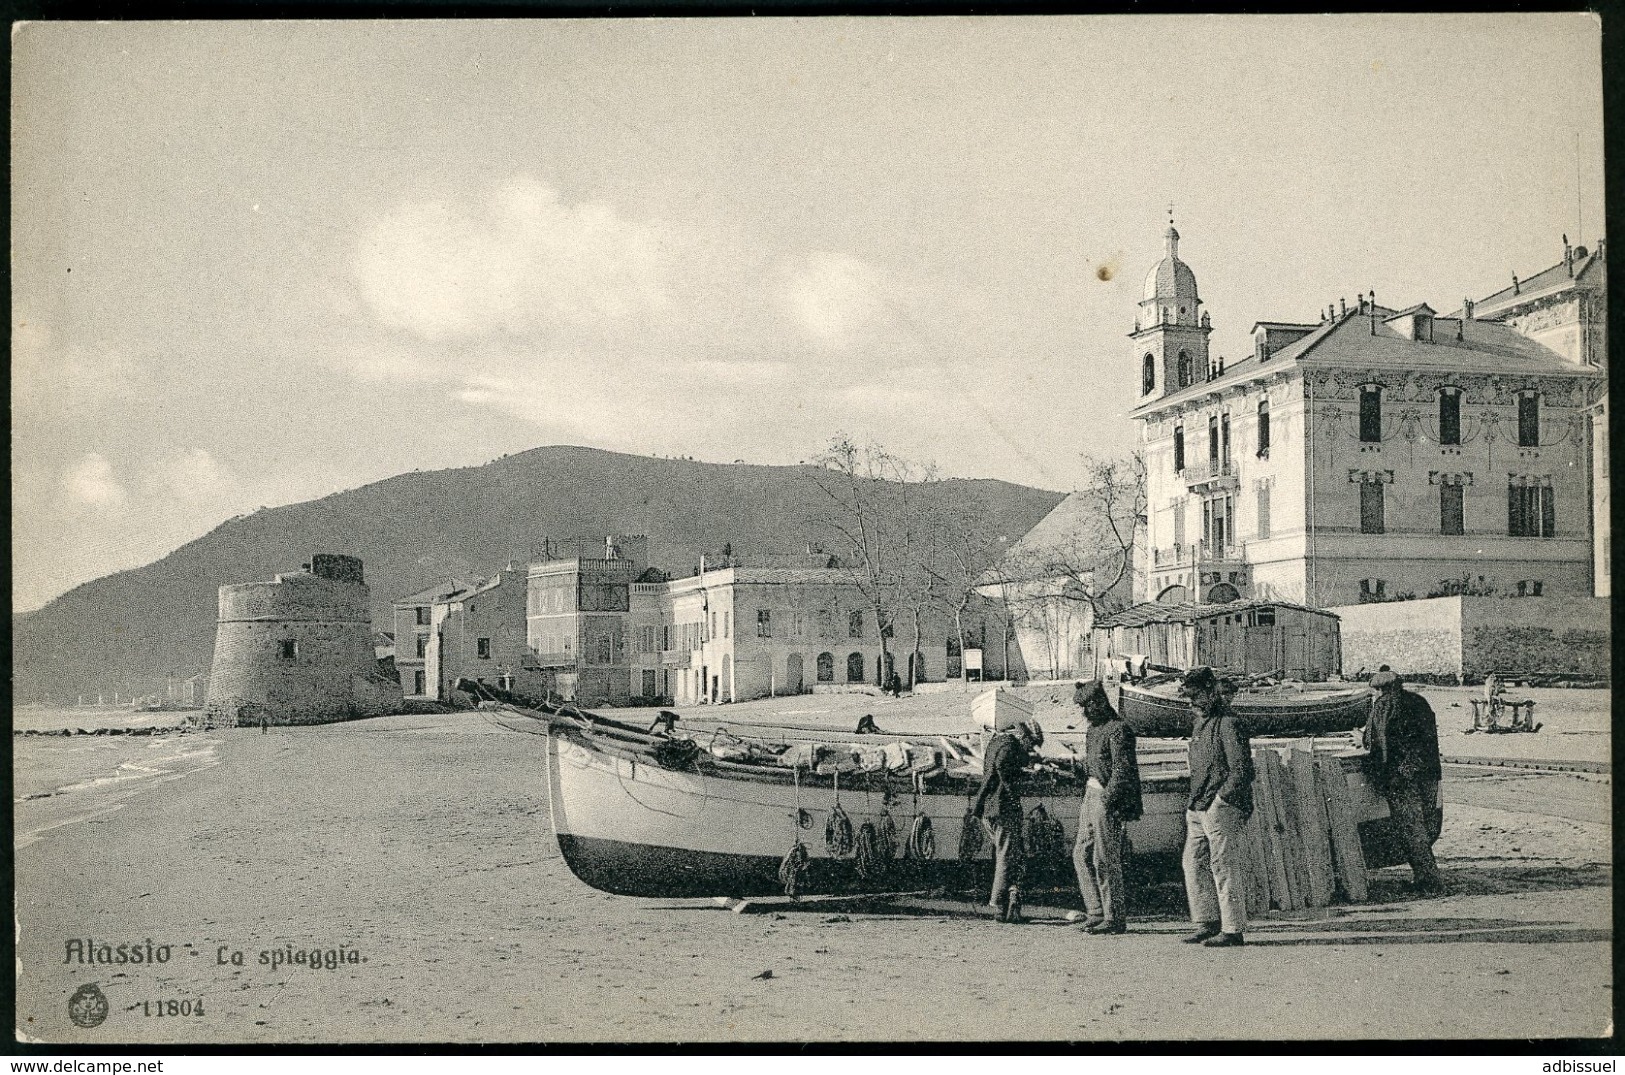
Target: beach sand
(423,845)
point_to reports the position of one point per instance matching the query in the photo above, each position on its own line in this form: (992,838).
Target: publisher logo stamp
(87,1007)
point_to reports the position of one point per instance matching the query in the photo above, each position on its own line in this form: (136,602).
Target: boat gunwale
(936,784)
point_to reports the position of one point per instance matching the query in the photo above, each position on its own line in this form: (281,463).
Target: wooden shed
(1245,637)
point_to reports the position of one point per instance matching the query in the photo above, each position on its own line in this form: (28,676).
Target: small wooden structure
(1246,637)
(1489,715)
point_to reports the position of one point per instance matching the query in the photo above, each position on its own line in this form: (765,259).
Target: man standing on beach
(1402,737)
(1221,801)
(1111,799)
(998,804)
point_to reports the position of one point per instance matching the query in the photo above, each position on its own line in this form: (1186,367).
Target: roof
(431,595)
(1171,279)
(1544,280)
(1075,533)
(469,591)
(1156,612)
(1349,342)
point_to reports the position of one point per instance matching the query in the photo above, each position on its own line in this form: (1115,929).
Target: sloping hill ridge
(129,630)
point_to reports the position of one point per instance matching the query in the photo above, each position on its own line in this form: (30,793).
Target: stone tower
(298,650)
(1171,331)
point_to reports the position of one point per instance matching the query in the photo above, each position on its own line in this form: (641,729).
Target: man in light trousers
(1221,800)
(1111,799)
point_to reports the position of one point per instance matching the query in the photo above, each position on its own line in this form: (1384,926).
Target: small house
(1242,637)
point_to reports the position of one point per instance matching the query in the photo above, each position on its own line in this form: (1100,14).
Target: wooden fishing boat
(1154,707)
(653,813)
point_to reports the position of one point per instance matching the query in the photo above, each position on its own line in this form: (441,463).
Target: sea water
(63,780)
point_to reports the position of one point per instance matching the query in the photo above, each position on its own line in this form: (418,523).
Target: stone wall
(1462,639)
(1541,635)
(1416,637)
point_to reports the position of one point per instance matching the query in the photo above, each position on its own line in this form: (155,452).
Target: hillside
(128,630)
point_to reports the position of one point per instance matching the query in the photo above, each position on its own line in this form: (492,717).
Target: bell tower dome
(1171,331)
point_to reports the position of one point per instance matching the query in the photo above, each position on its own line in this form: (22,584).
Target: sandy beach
(419,850)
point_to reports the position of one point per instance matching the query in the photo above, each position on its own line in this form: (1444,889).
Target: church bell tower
(1171,331)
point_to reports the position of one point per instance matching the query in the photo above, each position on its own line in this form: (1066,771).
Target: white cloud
(835,297)
(91,483)
(194,475)
(519,261)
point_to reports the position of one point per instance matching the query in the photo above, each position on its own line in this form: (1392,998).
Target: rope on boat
(1045,838)
(802,819)
(838,829)
(888,837)
(970,836)
(922,840)
(793,869)
(870,861)
(676,753)
(838,839)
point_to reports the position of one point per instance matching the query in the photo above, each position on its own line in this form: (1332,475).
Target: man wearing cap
(1111,799)
(998,804)
(1221,800)
(1402,738)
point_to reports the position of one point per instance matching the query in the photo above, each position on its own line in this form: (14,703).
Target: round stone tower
(298,650)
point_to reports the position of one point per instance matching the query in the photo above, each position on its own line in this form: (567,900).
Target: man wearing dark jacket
(1402,738)
(1221,801)
(998,804)
(1110,800)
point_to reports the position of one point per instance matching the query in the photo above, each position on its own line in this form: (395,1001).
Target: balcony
(1213,573)
(676,658)
(1211,476)
(1200,555)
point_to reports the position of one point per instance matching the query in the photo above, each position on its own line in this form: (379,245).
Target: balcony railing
(676,658)
(1197,553)
(1209,473)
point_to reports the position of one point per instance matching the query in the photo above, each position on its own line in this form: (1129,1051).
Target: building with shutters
(1376,451)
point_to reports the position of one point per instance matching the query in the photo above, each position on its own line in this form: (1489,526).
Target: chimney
(1461,324)
(1221,365)
(1342,307)
(1516,290)
(1568,256)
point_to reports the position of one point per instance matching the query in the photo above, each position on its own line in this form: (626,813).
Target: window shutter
(1449,418)
(1548,513)
(1370,415)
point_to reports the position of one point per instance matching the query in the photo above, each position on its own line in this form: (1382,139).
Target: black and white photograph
(900,530)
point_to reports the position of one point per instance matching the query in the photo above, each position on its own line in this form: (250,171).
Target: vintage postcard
(833,530)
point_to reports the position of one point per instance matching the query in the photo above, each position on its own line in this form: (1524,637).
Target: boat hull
(1159,713)
(630,827)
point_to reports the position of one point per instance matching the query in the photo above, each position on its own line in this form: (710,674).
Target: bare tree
(1094,560)
(965,560)
(868,490)
(1082,559)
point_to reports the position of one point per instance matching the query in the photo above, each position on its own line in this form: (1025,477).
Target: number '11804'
(171,1008)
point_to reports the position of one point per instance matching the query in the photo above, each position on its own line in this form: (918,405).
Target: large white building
(1377,451)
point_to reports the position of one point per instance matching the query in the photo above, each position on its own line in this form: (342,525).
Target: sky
(258,263)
